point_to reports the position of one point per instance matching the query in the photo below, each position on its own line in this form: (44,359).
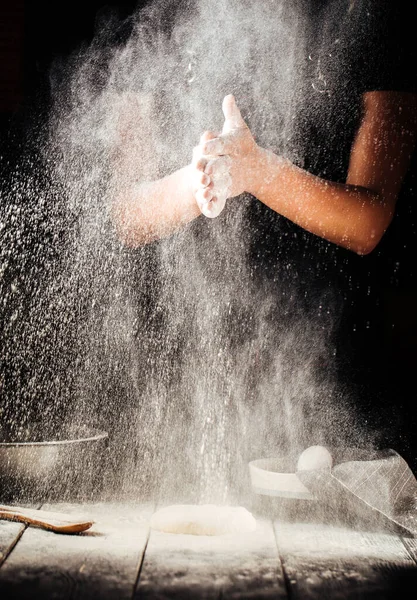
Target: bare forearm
(351,216)
(354,214)
(149,211)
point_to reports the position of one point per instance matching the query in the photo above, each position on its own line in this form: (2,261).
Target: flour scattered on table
(203,519)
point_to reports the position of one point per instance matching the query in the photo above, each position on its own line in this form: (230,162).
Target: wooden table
(120,558)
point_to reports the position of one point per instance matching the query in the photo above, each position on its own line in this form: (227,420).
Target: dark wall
(56,29)
(12,17)
(33,34)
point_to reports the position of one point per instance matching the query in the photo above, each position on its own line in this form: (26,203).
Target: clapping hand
(225,164)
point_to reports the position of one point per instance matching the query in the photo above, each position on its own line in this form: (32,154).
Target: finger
(205,180)
(214,208)
(198,150)
(199,161)
(200,179)
(221,146)
(208,135)
(203,195)
(214,147)
(232,117)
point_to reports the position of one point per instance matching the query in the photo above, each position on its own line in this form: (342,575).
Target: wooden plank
(323,561)
(238,566)
(411,545)
(102,562)
(10,534)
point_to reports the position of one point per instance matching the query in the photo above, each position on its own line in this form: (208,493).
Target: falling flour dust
(187,350)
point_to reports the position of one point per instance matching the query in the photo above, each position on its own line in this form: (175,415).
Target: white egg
(314,458)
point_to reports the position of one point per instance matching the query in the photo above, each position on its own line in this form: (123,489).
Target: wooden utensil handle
(53,521)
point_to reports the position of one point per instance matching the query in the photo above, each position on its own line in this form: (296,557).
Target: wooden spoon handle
(53,521)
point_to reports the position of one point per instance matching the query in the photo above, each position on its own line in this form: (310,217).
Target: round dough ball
(315,458)
(203,519)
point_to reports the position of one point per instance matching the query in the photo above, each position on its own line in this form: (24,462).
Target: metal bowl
(52,469)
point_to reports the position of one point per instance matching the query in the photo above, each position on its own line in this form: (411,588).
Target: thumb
(232,117)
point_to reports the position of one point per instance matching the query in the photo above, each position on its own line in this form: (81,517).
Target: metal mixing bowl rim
(99,435)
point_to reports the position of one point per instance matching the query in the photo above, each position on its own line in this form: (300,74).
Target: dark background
(32,35)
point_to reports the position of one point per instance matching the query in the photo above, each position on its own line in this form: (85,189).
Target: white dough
(203,519)
(314,458)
